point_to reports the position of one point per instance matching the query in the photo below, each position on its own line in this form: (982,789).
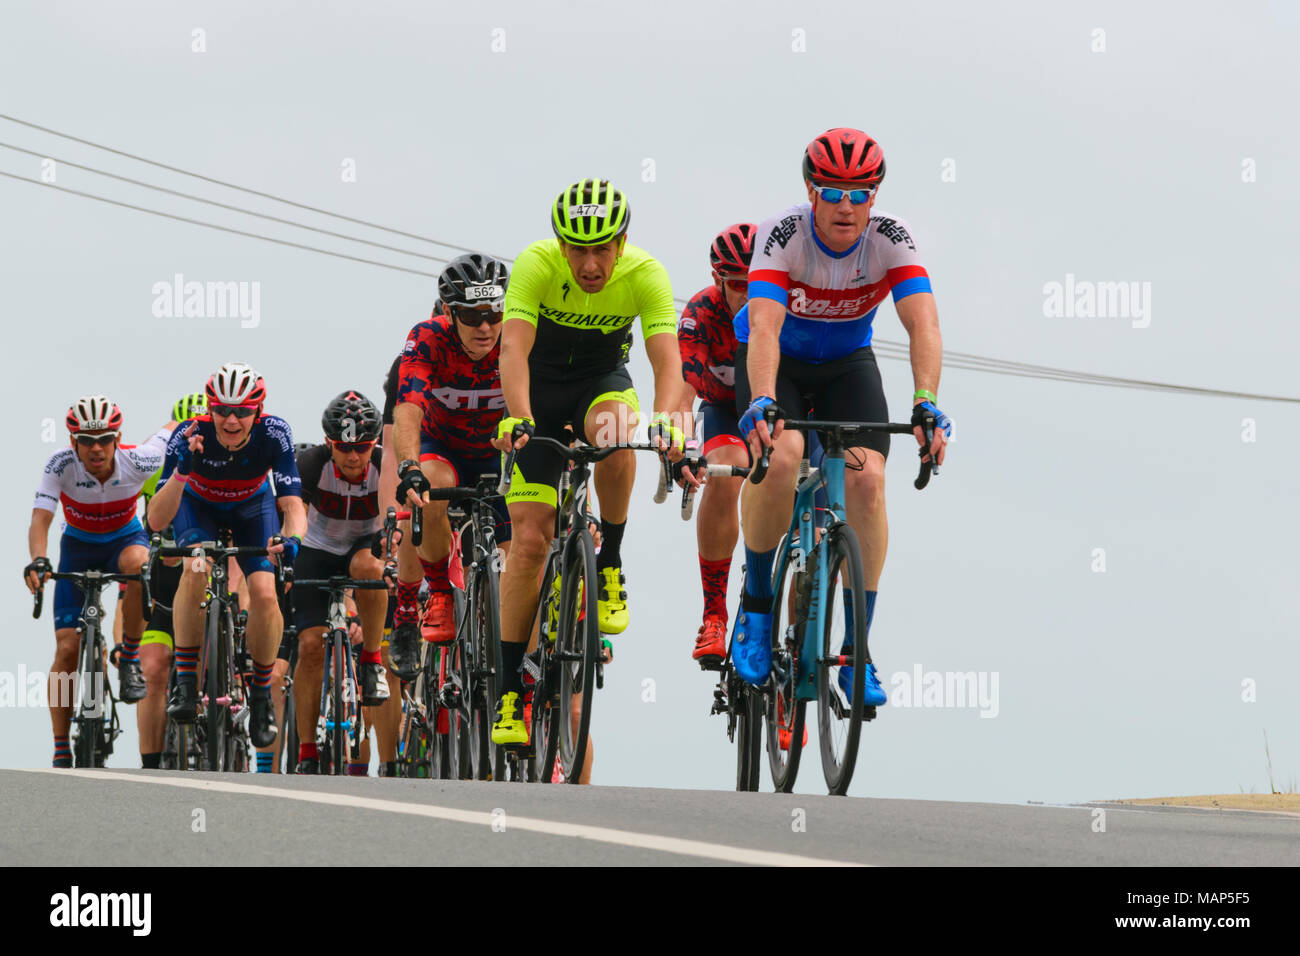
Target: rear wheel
(577,650)
(839,717)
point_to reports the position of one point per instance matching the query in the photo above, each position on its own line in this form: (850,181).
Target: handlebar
(80,577)
(580,454)
(385,536)
(839,432)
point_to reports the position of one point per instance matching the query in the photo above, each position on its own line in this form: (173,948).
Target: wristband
(926,394)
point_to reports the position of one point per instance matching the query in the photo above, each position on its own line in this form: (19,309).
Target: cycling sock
(130,649)
(713,575)
(388,768)
(371,657)
(265,761)
(848,615)
(307,751)
(758,573)
(512,656)
(408,600)
(187,664)
(358,769)
(63,750)
(611,540)
(151,761)
(435,572)
(262,679)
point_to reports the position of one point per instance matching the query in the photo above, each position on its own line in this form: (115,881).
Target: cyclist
(97,479)
(215,477)
(156,642)
(819,271)
(707,339)
(448,404)
(564,347)
(340,485)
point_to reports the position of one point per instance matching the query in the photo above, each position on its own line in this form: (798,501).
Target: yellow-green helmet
(189,406)
(590,212)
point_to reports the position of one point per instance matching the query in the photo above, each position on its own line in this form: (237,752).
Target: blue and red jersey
(461,397)
(226,478)
(707,340)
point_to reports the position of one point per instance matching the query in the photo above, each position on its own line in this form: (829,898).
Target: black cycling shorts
(845,389)
(311,606)
(555,405)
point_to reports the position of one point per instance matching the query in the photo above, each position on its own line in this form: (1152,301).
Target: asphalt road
(137,817)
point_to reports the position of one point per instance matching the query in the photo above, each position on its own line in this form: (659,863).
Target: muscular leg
(62,679)
(307,678)
(865,506)
(265,622)
(610,423)
(150,713)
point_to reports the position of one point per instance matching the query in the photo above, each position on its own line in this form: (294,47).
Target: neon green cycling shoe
(611,608)
(509,728)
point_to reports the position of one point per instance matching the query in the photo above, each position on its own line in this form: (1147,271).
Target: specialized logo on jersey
(585,320)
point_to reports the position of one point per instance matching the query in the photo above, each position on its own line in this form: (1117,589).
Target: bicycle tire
(338,674)
(545,730)
(88,748)
(840,549)
(485,621)
(749,732)
(217,685)
(577,647)
(289,741)
(787,641)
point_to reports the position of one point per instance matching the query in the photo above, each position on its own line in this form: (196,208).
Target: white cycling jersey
(95,510)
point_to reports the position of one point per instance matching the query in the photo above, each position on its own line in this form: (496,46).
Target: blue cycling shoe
(751,646)
(873,695)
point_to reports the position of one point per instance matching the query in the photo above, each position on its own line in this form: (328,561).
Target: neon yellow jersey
(587,333)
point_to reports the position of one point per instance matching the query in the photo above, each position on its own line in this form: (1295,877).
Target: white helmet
(94,414)
(236,384)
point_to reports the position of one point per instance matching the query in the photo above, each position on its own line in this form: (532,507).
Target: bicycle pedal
(868,712)
(711,664)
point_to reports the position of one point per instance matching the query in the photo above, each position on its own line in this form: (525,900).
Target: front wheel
(844,616)
(577,651)
(783,713)
(749,731)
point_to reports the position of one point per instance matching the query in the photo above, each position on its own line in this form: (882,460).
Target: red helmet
(94,414)
(732,249)
(844,156)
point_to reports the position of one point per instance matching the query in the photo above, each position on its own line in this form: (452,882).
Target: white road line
(628,838)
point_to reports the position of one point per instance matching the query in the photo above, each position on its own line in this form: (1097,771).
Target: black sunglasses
(87,441)
(473,317)
(239,411)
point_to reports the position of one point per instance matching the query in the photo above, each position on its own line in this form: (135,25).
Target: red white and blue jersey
(461,397)
(226,478)
(830,297)
(95,511)
(707,339)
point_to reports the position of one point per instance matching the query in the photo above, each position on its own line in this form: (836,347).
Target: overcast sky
(1025,143)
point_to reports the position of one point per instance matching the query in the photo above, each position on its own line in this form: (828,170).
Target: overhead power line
(898,351)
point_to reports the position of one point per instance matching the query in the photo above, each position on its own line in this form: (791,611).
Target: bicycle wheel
(338,733)
(88,747)
(839,720)
(289,742)
(218,678)
(782,712)
(545,730)
(485,677)
(749,732)
(577,648)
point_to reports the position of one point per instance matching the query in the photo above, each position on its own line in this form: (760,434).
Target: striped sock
(358,769)
(408,601)
(62,751)
(265,760)
(187,664)
(130,649)
(307,751)
(262,678)
(435,572)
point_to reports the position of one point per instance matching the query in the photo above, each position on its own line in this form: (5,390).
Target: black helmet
(475,278)
(351,417)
